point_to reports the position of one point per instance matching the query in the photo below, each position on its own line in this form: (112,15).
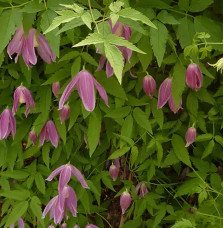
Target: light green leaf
(199,5)
(16,194)
(134,155)
(158,39)
(208,150)
(180,150)
(35,206)
(184,223)
(119,112)
(88,58)
(119,153)
(157,113)
(93,38)
(167,18)
(219,139)
(115,58)
(204,137)
(116,6)
(46,154)
(45,101)
(87,19)
(40,183)
(136,16)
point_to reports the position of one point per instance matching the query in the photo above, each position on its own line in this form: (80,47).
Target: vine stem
(45,4)
(104,219)
(89,4)
(121,221)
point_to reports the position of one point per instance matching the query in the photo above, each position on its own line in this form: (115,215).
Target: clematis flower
(164,92)
(172,105)
(142,189)
(65,200)
(125,32)
(20,223)
(64,113)
(56,88)
(91,226)
(125,201)
(32,137)
(49,132)
(218,65)
(23,95)
(149,85)
(114,171)
(64,225)
(76,226)
(51,226)
(20,44)
(7,124)
(85,85)
(66,171)
(190,136)
(194,76)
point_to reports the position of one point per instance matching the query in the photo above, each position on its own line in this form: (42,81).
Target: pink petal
(52,132)
(49,206)
(109,69)
(21,223)
(55,172)
(12,123)
(30,46)
(4,123)
(101,91)
(65,176)
(164,92)
(75,172)
(42,135)
(101,63)
(71,201)
(16,100)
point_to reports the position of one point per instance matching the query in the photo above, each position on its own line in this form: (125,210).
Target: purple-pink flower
(91,226)
(23,95)
(20,223)
(125,32)
(114,171)
(85,85)
(49,133)
(56,88)
(164,92)
(141,189)
(190,136)
(172,105)
(65,200)
(32,137)
(64,113)
(194,76)
(125,201)
(7,124)
(149,85)
(20,44)
(66,171)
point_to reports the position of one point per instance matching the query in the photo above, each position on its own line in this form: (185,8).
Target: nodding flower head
(85,83)
(32,137)
(64,113)
(56,88)
(194,76)
(23,95)
(125,201)
(149,85)
(114,171)
(141,189)
(20,223)
(190,136)
(164,92)
(172,105)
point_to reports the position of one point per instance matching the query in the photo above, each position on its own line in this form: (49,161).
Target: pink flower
(190,136)
(33,137)
(194,76)
(64,113)
(23,95)
(125,32)
(149,85)
(91,226)
(64,225)
(65,200)
(49,132)
(85,85)
(66,171)
(20,223)
(20,44)
(172,105)
(114,171)
(142,189)
(7,124)
(56,88)
(125,201)
(164,92)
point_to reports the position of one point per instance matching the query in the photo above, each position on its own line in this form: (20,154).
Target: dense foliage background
(185,184)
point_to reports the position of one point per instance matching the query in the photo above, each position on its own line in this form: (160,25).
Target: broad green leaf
(188,187)
(15,174)
(142,120)
(119,112)
(45,101)
(204,137)
(171,159)
(107,182)
(159,152)
(135,16)
(36,209)
(88,58)
(124,139)
(70,25)
(134,155)
(93,38)
(116,60)
(157,113)
(184,223)
(93,131)
(16,194)
(116,6)
(17,212)
(219,139)
(46,154)
(158,39)
(167,18)
(192,105)
(180,150)
(40,183)
(119,153)
(127,126)
(199,5)
(208,150)
(69,55)
(87,19)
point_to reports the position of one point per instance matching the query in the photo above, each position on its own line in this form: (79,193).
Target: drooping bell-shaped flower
(172,105)
(218,65)
(64,113)
(190,136)
(20,223)
(91,226)
(51,226)
(56,88)
(32,137)
(44,49)
(23,95)
(149,85)
(66,171)
(7,124)
(85,85)
(125,201)
(194,76)
(65,200)
(114,171)
(64,225)
(164,92)
(49,133)
(76,226)
(141,189)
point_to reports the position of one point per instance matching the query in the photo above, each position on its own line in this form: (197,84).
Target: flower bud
(164,92)
(64,113)
(64,225)
(125,201)
(114,171)
(56,88)
(149,85)
(172,105)
(32,137)
(194,76)
(76,226)
(190,136)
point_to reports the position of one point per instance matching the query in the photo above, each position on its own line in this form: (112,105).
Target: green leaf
(116,6)
(135,16)
(46,154)
(167,18)
(107,182)
(180,150)
(199,5)
(36,209)
(15,174)
(204,137)
(157,113)
(158,39)
(119,153)
(87,19)
(116,60)
(124,139)
(192,104)
(219,139)
(208,150)
(16,194)
(184,223)
(93,131)
(142,120)
(40,183)
(119,112)
(17,212)
(88,58)
(45,101)
(93,38)
(134,155)
(159,153)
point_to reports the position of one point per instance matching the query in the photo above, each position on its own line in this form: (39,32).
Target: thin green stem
(204,214)
(104,219)
(45,4)
(12,6)
(176,11)
(89,4)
